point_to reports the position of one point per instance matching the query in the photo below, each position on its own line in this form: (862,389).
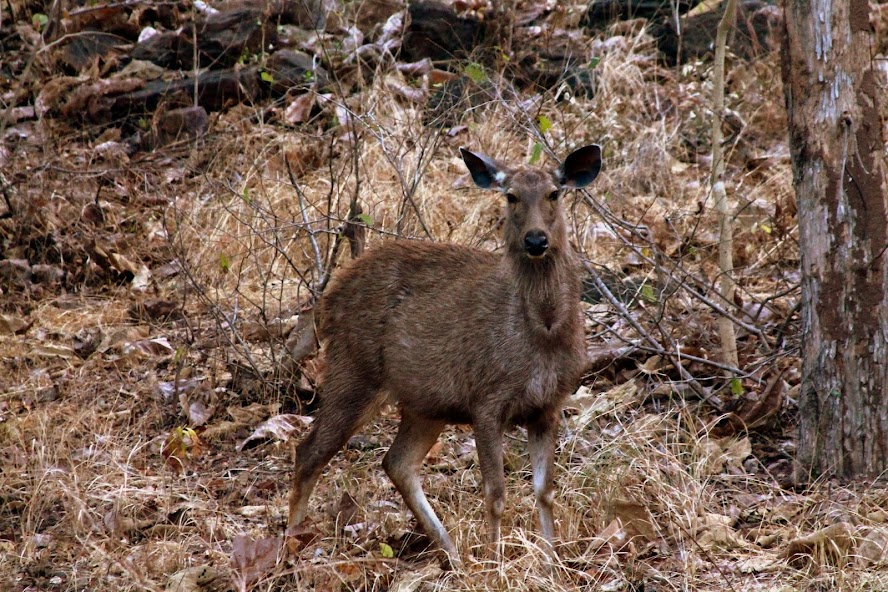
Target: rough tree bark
(834,99)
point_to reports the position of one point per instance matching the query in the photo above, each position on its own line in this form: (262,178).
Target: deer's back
(441,328)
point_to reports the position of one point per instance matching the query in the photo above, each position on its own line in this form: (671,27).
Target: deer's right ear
(486,172)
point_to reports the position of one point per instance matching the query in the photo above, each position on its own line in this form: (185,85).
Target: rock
(172,50)
(295,71)
(226,36)
(603,12)
(80,51)
(47,274)
(15,272)
(186,123)
(313,15)
(215,89)
(371,15)
(223,38)
(156,309)
(436,32)
(755,33)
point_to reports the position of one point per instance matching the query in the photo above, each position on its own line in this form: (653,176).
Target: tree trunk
(834,99)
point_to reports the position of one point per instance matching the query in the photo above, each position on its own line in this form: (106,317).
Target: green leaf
(765,228)
(224,262)
(39,20)
(266,76)
(386,551)
(594,62)
(647,293)
(536,154)
(736,387)
(366,219)
(545,123)
(475,72)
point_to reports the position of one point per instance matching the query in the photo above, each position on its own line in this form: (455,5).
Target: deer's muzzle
(536,243)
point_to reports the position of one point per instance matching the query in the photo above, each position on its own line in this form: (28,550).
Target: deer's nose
(535,243)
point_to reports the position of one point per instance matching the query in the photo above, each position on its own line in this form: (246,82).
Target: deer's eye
(511,198)
(553,196)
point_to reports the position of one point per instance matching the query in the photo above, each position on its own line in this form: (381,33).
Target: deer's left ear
(580,167)
(486,172)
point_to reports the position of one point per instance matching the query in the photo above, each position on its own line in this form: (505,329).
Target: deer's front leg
(541,438)
(489,444)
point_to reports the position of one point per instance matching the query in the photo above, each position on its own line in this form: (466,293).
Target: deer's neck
(548,291)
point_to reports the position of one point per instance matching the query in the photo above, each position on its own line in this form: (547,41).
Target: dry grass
(649,498)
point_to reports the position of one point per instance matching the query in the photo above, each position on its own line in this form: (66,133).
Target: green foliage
(266,76)
(647,293)
(536,153)
(544,123)
(475,72)
(736,387)
(593,62)
(386,551)
(365,219)
(39,20)
(224,262)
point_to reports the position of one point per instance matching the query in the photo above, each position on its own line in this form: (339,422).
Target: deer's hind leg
(347,403)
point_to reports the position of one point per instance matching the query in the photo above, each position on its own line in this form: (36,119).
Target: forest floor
(152,280)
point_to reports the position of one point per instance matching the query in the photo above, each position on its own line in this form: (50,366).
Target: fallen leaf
(736,451)
(346,512)
(399,87)
(301,535)
(715,532)
(199,404)
(758,564)
(252,413)
(635,518)
(142,279)
(409,581)
(277,428)
(424,66)
(590,406)
(193,579)
(828,546)
(613,536)
(54,351)
(251,559)
(122,264)
(873,547)
(299,109)
(12,325)
(158,346)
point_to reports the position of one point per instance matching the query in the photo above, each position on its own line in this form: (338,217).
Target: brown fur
(457,335)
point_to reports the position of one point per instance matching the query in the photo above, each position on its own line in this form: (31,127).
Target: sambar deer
(456,335)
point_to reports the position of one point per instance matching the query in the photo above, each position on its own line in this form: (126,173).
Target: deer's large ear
(486,172)
(580,167)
